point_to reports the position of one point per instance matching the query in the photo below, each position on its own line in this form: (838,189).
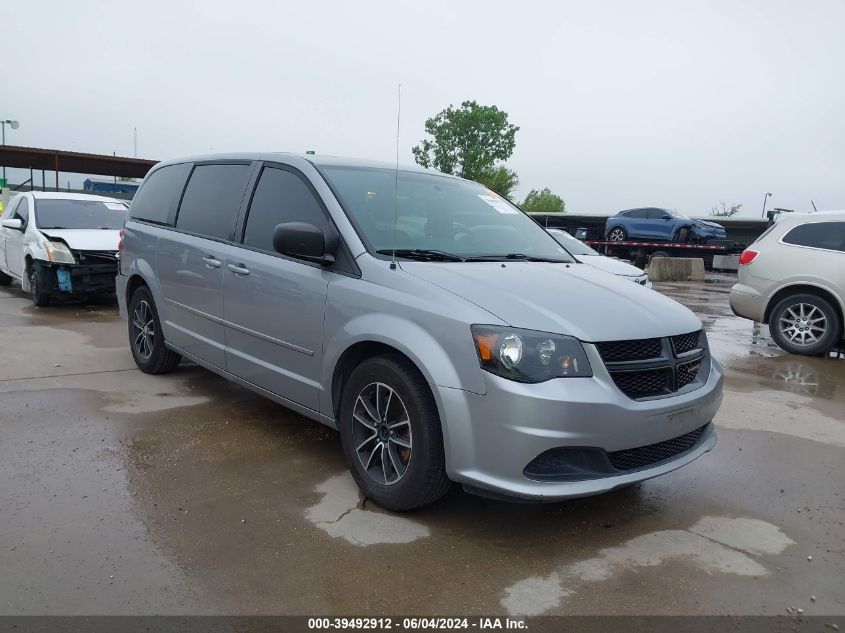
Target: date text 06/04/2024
(414,624)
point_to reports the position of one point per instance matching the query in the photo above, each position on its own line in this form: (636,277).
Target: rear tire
(805,324)
(39,296)
(391,434)
(659,254)
(5,280)
(145,336)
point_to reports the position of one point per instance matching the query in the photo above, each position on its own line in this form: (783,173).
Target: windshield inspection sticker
(497,203)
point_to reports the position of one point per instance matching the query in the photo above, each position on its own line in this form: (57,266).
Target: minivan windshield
(573,245)
(437,218)
(79,214)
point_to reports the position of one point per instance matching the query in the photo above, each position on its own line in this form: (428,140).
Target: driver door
(661,227)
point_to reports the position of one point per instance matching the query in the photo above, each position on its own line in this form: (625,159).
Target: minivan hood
(610,265)
(86,239)
(577,299)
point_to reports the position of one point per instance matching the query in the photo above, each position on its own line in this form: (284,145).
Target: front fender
(35,251)
(428,353)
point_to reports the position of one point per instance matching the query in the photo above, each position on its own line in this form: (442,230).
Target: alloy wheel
(143,330)
(802,324)
(381,432)
(617,235)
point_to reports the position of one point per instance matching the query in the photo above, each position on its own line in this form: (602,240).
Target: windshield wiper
(423,254)
(516,256)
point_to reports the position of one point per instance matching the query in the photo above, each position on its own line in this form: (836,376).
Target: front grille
(643,456)
(92,258)
(639,349)
(688,372)
(642,384)
(652,367)
(685,342)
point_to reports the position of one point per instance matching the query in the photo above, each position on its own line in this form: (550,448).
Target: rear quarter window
(158,198)
(827,235)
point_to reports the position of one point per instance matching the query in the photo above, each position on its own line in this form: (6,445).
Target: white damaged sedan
(60,244)
(586,255)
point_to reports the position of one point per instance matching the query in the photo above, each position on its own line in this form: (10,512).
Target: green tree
(543,200)
(467,141)
(500,179)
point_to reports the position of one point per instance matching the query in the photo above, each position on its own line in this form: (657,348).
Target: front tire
(145,336)
(39,296)
(391,434)
(805,324)
(617,234)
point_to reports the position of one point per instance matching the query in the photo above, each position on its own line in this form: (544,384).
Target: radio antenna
(396,178)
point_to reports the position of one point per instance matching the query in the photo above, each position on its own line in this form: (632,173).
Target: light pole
(12,124)
(765,200)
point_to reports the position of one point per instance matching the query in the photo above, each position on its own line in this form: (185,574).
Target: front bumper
(78,279)
(491,438)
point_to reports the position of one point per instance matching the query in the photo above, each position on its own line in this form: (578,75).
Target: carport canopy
(73,162)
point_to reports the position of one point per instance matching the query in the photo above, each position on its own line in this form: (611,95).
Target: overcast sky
(620,104)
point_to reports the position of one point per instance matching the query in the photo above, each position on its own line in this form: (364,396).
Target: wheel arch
(373,334)
(141,273)
(353,356)
(28,260)
(805,288)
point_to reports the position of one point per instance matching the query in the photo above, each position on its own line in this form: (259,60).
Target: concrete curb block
(676,269)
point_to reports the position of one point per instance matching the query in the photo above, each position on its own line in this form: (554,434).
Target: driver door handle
(211,262)
(238,269)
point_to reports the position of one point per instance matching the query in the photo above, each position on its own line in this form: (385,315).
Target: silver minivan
(440,330)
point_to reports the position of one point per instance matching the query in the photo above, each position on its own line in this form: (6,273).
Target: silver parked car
(444,333)
(793,278)
(586,255)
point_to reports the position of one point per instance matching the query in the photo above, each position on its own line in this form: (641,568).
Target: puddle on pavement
(122,389)
(784,413)
(340,515)
(71,540)
(84,318)
(716,545)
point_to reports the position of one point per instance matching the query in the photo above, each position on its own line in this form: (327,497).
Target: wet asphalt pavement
(122,493)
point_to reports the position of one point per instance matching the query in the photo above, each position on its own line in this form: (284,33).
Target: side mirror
(13,223)
(304,241)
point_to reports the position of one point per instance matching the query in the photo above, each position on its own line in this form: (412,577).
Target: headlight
(529,356)
(59,253)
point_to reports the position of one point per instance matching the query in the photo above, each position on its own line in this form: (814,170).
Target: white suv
(793,278)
